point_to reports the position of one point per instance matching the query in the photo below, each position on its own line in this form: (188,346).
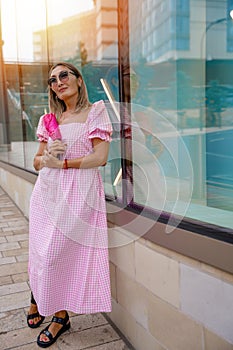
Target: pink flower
(52,126)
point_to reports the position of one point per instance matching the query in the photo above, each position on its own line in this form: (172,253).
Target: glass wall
(181,59)
(164,69)
(43,33)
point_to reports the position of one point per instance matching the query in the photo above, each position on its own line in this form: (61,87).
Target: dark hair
(58,106)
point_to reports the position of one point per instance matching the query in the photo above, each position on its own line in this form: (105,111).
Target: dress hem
(77,312)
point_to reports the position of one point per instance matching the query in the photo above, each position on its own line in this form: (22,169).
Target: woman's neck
(71,107)
(70,110)
(74,116)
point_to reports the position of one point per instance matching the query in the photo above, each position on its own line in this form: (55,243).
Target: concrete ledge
(27,175)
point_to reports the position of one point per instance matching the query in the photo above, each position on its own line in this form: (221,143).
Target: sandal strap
(31,316)
(48,334)
(60,320)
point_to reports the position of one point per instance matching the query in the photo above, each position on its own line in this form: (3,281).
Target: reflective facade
(164,69)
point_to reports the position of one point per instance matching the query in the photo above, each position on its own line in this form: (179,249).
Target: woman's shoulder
(99,103)
(97,108)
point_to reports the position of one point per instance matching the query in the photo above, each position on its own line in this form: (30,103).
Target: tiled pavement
(87,331)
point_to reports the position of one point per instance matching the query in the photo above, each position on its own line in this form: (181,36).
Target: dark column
(125,99)
(4,115)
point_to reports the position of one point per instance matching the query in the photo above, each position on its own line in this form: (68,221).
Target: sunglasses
(63,77)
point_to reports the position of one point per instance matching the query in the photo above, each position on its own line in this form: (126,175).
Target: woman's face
(64,83)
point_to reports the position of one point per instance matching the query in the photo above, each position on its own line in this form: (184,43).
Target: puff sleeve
(99,123)
(41,132)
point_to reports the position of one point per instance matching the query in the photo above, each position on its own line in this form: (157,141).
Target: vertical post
(4,115)
(125,99)
(47,34)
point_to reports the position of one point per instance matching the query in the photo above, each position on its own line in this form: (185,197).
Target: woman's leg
(54,327)
(59,324)
(34,319)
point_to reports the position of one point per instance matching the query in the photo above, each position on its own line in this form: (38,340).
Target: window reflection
(86,38)
(176,85)
(182,63)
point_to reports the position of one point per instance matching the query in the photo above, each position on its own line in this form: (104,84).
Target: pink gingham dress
(68,242)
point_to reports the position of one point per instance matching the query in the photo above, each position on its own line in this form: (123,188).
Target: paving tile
(12,216)
(115,345)
(5,280)
(12,220)
(10,212)
(19,228)
(34,346)
(13,269)
(14,301)
(24,244)
(15,238)
(6,233)
(9,246)
(16,223)
(6,205)
(88,338)
(15,252)
(3,224)
(13,288)
(23,257)
(7,260)
(20,277)
(12,320)
(81,322)
(18,338)
(3,239)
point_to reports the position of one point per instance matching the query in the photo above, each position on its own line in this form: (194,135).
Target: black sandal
(65,326)
(32,316)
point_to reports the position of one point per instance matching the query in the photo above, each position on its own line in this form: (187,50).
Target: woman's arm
(95,159)
(98,158)
(37,161)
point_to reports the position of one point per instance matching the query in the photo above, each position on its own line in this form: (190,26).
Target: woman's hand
(57,147)
(49,161)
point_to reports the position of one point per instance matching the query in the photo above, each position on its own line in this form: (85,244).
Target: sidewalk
(87,331)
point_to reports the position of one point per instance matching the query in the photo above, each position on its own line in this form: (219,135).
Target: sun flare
(20,18)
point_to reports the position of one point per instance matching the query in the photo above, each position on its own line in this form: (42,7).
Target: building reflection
(168,62)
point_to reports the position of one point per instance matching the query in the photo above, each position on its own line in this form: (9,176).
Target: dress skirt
(68,237)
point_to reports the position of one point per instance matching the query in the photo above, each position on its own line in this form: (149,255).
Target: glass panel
(24,79)
(181,102)
(39,34)
(181,88)
(89,40)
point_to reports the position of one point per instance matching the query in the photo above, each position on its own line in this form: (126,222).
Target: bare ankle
(61,313)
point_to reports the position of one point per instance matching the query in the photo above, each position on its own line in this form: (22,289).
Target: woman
(68,246)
